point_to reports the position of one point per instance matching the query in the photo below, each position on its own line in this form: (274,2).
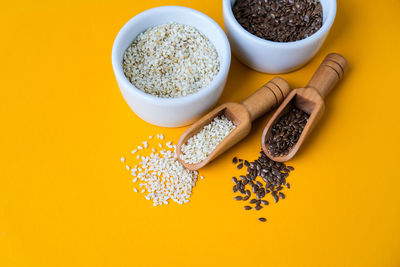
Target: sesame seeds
(171,60)
(199,146)
(161,176)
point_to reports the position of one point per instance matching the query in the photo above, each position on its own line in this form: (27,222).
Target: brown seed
(238,198)
(282,195)
(247,207)
(280,21)
(262,219)
(290,168)
(264,202)
(294,121)
(276,198)
(258,207)
(240,166)
(234,160)
(234,179)
(246,163)
(245,198)
(253,201)
(288,185)
(234,189)
(248,193)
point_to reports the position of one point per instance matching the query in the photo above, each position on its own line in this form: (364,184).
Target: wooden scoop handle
(266,98)
(328,74)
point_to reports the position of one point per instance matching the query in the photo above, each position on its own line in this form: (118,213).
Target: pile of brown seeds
(286,131)
(273,179)
(279,20)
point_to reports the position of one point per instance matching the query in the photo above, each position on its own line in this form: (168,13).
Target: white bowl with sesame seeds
(275,57)
(178,111)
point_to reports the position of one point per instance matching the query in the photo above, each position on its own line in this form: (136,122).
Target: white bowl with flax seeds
(171,64)
(272,56)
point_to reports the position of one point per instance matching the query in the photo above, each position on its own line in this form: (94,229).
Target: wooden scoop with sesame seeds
(241,114)
(309,100)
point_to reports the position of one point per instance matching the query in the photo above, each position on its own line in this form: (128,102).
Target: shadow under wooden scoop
(241,114)
(309,100)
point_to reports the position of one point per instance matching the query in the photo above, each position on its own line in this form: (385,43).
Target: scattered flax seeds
(199,146)
(162,177)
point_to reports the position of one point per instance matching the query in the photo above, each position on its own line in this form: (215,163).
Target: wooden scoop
(310,100)
(263,100)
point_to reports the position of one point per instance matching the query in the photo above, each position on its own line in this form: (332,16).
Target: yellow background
(66,199)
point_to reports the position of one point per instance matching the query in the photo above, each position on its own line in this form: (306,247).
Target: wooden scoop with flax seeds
(241,114)
(309,100)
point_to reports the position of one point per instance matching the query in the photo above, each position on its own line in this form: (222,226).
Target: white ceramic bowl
(274,57)
(171,112)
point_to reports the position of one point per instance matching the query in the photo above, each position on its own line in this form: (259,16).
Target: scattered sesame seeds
(163,177)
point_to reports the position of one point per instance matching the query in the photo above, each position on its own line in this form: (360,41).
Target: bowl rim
(224,58)
(331,6)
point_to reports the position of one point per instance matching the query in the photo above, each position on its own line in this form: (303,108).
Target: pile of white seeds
(160,175)
(199,146)
(171,60)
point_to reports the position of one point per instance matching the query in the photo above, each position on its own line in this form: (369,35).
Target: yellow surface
(66,199)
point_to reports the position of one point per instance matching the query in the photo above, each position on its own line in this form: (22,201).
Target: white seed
(140,148)
(134,151)
(161,136)
(153,149)
(122,159)
(138,157)
(186,58)
(127,167)
(134,190)
(199,146)
(150,137)
(160,145)
(164,177)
